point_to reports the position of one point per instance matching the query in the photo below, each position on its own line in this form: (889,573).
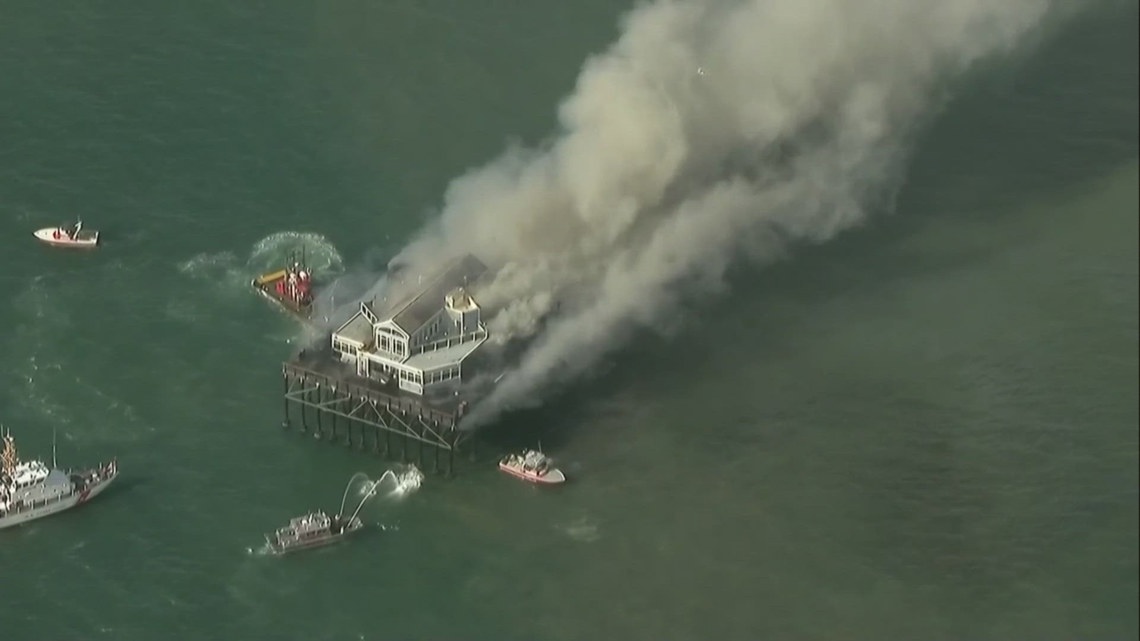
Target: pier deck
(321,386)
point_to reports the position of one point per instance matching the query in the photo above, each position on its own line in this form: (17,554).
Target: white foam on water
(233,274)
(262,550)
(208,264)
(321,256)
(582,529)
(395,483)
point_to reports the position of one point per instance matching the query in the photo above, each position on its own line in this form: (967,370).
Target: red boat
(292,288)
(532,466)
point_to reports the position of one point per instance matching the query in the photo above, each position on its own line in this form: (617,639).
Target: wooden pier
(331,400)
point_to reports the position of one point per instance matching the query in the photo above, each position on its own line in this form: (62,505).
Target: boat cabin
(303,526)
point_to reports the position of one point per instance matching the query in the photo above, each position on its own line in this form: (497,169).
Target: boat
(312,530)
(69,236)
(290,288)
(318,529)
(30,490)
(532,466)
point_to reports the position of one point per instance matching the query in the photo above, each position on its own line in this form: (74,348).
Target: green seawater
(924,429)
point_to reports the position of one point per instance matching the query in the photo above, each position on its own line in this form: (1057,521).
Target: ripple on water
(45,388)
(232,273)
(224,276)
(583,529)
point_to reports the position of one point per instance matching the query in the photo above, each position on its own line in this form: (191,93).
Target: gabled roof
(414,312)
(357,329)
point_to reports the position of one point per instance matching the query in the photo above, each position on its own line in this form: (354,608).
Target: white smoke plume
(711,129)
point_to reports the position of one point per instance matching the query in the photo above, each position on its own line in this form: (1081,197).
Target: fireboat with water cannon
(30,490)
(318,529)
(290,288)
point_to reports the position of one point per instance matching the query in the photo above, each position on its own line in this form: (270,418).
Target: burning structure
(421,343)
(396,370)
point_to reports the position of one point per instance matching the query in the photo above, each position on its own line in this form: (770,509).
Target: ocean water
(926,428)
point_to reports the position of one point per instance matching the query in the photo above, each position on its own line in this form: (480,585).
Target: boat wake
(228,271)
(582,529)
(262,550)
(321,256)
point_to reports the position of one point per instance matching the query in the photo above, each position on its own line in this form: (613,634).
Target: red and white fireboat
(292,288)
(532,466)
(68,236)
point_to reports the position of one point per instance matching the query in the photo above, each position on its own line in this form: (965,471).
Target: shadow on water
(1015,134)
(550,424)
(1055,120)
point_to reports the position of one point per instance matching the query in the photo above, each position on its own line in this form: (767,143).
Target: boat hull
(278,550)
(56,506)
(85,240)
(267,286)
(553,476)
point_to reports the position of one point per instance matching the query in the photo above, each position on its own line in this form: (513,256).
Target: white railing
(411,386)
(368,315)
(24,506)
(444,343)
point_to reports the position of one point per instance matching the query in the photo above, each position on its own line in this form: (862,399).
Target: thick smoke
(711,129)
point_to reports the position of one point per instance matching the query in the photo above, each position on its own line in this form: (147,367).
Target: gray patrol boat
(317,529)
(30,490)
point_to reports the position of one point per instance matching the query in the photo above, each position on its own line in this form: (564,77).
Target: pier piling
(339,399)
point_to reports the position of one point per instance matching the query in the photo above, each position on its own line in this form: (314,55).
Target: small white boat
(532,466)
(68,236)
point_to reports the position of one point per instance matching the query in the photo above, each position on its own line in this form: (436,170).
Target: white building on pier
(422,342)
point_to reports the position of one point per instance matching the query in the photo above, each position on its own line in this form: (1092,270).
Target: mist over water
(710,131)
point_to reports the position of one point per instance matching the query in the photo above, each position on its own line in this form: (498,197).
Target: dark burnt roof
(415,311)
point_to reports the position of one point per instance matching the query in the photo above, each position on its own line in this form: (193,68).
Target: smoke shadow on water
(871,257)
(981,154)
(551,424)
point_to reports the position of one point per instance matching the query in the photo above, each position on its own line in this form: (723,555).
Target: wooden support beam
(341,395)
(407,430)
